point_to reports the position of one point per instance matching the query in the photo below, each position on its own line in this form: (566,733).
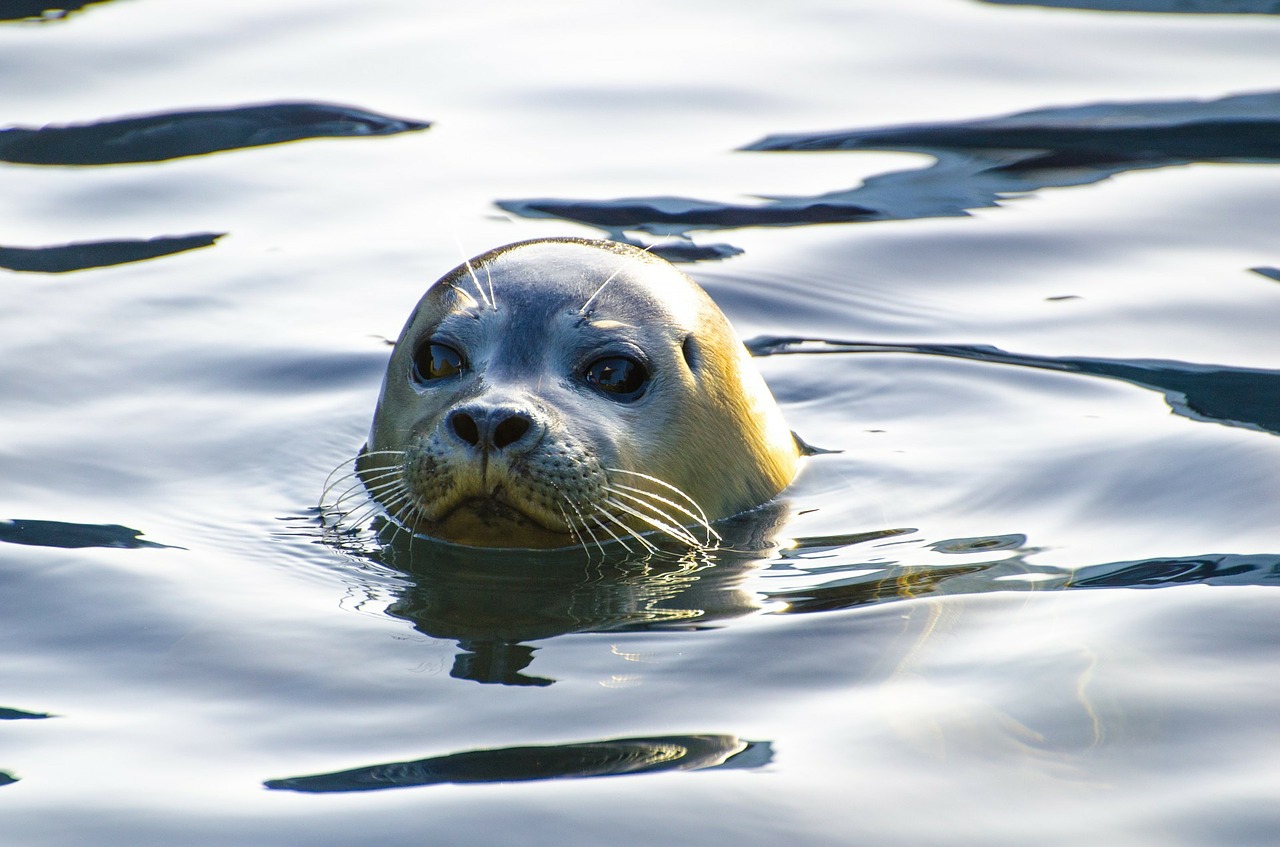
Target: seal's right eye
(620,378)
(436,361)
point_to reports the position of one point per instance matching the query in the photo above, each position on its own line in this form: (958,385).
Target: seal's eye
(436,361)
(619,377)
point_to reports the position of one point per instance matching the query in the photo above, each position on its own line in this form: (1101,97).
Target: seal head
(566,391)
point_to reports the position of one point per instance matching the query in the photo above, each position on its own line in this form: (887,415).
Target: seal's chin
(487,522)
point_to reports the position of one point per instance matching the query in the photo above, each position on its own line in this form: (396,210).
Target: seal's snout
(490,428)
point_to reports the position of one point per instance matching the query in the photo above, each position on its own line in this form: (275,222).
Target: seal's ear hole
(692,355)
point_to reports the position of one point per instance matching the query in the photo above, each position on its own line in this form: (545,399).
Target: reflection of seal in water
(568,391)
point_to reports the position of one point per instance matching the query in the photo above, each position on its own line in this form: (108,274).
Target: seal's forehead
(603,276)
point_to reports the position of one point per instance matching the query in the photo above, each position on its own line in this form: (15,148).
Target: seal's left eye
(618,377)
(436,361)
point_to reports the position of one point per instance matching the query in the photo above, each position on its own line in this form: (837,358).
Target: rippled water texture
(1012,266)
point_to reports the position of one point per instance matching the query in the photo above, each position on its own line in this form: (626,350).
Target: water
(1033,599)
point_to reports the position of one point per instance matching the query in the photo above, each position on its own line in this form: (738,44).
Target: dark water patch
(983,544)
(73,536)
(818,543)
(1269,273)
(678,214)
(22,715)
(493,603)
(1162,7)
(615,757)
(687,251)
(878,584)
(39,10)
(1104,139)
(896,584)
(493,662)
(1209,570)
(7,779)
(175,135)
(1243,397)
(79,256)
(977,164)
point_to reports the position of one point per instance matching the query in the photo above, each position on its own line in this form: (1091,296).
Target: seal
(562,392)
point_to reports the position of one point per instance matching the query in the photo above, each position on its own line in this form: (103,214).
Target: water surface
(1014,262)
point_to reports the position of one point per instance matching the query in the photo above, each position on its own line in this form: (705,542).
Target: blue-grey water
(1018,262)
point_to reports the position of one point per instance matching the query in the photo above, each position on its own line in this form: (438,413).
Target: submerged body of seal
(566,391)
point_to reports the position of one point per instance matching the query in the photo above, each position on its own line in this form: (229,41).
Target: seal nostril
(464,426)
(510,430)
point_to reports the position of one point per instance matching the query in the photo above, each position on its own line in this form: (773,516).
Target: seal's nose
(493,427)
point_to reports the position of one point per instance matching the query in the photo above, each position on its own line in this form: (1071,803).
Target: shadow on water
(65,258)
(175,135)
(494,603)
(489,602)
(1163,7)
(1243,397)
(73,536)
(977,164)
(17,715)
(162,137)
(21,715)
(41,10)
(876,584)
(613,757)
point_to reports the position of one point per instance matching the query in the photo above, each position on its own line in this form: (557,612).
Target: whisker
(619,488)
(628,530)
(352,496)
(573,530)
(693,503)
(388,491)
(330,482)
(378,494)
(397,500)
(382,478)
(359,491)
(582,310)
(355,492)
(329,486)
(621,268)
(594,540)
(587,528)
(357,517)
(611,533)
(340,466)
(472,271)
(365,491)
(416,512)
(384,484)
(676,532)
(581,517)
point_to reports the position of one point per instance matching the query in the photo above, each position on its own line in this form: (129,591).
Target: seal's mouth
(489,521)
(488,507)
